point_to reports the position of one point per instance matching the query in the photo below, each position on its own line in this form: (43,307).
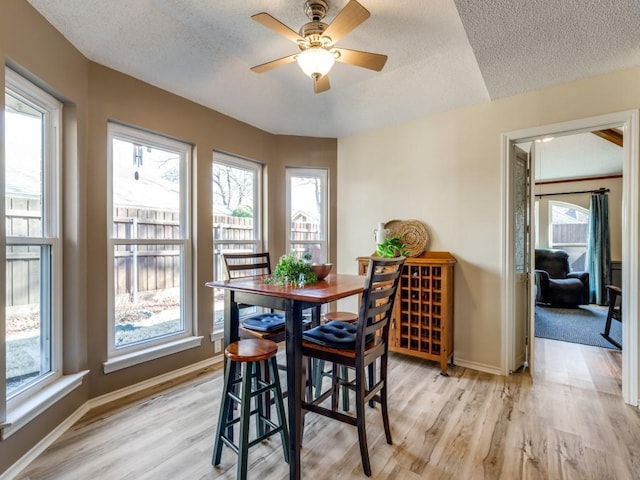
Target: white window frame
(133,354)
(256,168)
(13,408)
(559,203)
(257,242)
(323,175)
(551,226)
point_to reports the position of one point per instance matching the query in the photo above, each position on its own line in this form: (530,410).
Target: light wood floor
(568,422)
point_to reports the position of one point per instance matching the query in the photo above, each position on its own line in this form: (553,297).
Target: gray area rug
(576,325)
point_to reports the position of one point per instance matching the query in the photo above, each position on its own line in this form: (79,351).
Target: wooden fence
(23,219)
(226,227)
(138,268)
(241,228)
(570,233)
(143,268)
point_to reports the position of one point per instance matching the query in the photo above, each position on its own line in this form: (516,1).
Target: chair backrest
(554,262)
(238,265)
(376,308)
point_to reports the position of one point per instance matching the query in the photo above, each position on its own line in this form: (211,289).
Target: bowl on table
(321,269)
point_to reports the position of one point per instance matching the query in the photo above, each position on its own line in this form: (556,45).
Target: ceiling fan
(317,40)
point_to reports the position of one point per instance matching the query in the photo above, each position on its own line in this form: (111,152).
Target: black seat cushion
(335,334)
(264,322)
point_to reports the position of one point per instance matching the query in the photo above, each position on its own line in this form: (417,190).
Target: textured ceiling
(442,54)
(525,45)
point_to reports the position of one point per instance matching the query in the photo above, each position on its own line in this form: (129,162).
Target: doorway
(628,122)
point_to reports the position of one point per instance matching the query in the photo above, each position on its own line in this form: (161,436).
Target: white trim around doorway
(630,235)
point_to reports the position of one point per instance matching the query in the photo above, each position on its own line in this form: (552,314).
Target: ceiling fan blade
(321,84)
(274,63)
(277,26)
(352,15)
(372,61)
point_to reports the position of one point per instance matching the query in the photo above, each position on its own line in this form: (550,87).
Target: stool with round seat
(341,317)
(256,355)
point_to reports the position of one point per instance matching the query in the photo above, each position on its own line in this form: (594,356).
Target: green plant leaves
(392,247)
(292,270)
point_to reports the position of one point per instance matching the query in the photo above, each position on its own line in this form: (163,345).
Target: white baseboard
(43,444)
(478,366)
(152,382)
(86,407)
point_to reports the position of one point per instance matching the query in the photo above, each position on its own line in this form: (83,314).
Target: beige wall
(93,95)
(28,42)
(446,170)
(121,98)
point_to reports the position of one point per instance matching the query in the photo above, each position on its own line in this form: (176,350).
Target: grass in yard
(23,356)
(128,333)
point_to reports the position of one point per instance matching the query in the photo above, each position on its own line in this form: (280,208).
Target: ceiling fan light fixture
(316,41)
(315,61)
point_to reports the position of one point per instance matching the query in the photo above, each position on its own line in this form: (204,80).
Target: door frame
(519,356)
(630,234)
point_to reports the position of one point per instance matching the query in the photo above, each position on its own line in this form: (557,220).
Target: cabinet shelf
(422,323)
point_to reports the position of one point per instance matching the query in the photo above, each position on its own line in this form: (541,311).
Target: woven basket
(414,235)
(392,226)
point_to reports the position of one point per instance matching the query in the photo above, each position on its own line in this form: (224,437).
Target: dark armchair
(555,283)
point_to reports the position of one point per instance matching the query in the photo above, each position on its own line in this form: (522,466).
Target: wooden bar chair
(358,346)
(614,313)
(267,325)
(250,353)
(319,372)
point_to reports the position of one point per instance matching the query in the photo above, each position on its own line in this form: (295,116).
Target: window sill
(217,338)
(217,335)
(147,354)
(36,404)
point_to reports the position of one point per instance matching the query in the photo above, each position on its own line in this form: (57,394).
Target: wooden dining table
(293,300)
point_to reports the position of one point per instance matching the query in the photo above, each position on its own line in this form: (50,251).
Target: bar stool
(341,317)
(269,325)
(258,355)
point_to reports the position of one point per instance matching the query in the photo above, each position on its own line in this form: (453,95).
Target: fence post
(134,259)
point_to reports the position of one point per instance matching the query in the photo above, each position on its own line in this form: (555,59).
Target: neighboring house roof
(304,216)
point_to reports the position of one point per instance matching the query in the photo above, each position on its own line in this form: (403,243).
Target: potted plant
(392,247)
(292,270)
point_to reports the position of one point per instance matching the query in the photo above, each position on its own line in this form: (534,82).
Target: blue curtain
(599,249)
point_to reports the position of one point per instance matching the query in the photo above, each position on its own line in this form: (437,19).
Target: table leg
(231,324)
(315,316)
(294,384)
(231,318)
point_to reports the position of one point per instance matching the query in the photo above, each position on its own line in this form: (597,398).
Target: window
(150,293)
(33,262)
(568,231)
(307,207)
(237,216)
